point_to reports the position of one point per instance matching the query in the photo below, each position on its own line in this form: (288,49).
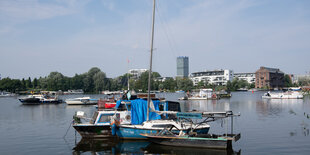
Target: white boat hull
(284,95)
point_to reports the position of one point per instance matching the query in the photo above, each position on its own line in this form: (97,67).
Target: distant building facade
(300,78)
(217,77)
(182,66)
(269,78)
(136,73)
(249,77)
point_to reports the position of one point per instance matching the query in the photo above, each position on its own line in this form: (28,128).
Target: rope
(68,129)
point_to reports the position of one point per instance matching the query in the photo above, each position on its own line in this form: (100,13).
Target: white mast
(150,71)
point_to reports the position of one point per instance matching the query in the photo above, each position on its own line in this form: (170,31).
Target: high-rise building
(182,66)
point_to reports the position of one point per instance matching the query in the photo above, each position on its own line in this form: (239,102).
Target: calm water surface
(266,127)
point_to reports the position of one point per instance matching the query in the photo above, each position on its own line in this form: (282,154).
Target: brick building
(269,78)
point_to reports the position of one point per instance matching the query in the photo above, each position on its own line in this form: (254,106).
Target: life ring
(213,95)
(128,117)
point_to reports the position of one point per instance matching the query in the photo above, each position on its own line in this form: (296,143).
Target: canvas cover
(139,110)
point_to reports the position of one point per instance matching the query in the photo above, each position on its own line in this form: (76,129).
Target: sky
(71,36)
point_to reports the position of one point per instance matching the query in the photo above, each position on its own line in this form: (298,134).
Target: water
(266,127)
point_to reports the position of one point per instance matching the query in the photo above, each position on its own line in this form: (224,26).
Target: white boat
(78,91)
(6,94)
(203,94)
(81,101)
(283,95)
(99,126)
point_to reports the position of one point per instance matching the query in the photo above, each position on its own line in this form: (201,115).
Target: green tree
(99,81)
(184,84)
(88,80)
(28,83)
(35,83)
(287,81)
(55,81)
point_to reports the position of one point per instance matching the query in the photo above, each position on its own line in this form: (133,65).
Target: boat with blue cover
(160,117)
(99,125)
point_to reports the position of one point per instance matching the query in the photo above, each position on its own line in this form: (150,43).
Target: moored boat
(283,95)
(125,131)
(106,103)
(39,99)
(81,101)
(203,94)
(196,141)
(99,125)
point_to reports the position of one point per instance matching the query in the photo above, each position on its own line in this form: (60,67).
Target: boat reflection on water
(116,146)
(110,146)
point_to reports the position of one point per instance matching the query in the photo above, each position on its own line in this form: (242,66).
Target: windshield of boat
(93,119)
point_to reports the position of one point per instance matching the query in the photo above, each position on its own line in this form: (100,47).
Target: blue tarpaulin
(139,111)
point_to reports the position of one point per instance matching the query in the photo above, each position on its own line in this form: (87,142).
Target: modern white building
(217,77)
(298,78)
(249,77)
(136,73)
(162,79)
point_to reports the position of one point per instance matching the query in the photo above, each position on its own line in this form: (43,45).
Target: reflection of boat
(154,148)
(110,146)
(81,101)
(203,94)
(116,146)
(96,145)
(39,99)
(283,95)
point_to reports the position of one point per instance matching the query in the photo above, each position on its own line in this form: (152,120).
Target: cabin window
(93,119)
(105,118)
(161,125)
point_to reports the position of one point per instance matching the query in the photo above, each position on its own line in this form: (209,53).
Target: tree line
(95,81)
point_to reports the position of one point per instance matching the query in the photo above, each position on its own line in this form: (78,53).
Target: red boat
(106,103)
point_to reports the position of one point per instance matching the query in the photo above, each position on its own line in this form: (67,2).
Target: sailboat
(153,123)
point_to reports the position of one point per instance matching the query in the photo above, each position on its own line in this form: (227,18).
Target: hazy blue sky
(71,36)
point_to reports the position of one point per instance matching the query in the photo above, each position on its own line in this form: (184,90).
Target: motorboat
(81,101)
(99,125)
(39,99)
(283,95)
(6,94)
(203,94)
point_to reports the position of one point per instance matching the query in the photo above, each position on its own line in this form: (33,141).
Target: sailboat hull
(135,133)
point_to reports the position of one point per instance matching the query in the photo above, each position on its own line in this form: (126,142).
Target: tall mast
(150,71)
(128,74)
